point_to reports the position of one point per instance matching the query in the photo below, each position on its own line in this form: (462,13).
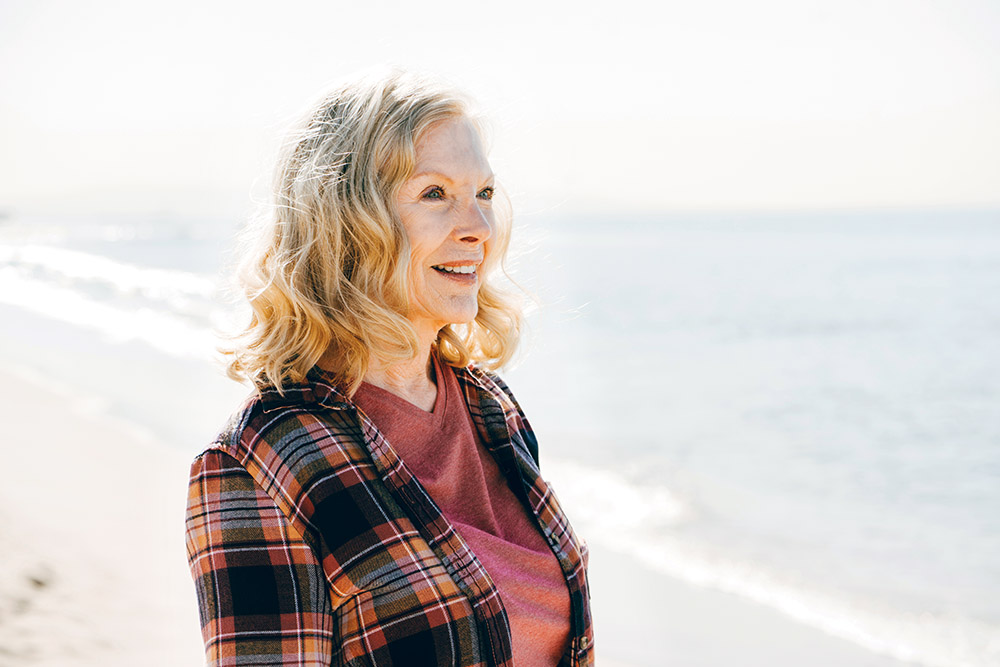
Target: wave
(173,312)
(54,262)
(637,520)
(162,331)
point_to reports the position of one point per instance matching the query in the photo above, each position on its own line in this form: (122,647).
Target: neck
(412,380)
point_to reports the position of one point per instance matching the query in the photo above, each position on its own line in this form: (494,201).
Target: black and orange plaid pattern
(311,542)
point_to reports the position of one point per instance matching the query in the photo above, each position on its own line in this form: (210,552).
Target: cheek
(416,278)
(422,245)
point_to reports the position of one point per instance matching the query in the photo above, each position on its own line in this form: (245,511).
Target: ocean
(799,409)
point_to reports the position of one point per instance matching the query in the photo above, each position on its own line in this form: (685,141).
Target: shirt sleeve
(262,594)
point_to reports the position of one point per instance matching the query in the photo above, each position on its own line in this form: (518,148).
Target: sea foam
(162,331)
(638,520)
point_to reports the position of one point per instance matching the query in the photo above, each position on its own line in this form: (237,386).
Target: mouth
(464,269)
(465,272)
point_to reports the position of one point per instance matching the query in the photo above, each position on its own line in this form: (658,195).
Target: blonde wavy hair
(326,273)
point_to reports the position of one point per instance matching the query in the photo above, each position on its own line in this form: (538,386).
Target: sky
(605,108)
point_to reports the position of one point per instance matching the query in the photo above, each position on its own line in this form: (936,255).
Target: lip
(460,262)
(461,278)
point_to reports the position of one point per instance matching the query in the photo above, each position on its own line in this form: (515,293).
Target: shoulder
(297,448)
(282,441)
(489,398)
(273,420)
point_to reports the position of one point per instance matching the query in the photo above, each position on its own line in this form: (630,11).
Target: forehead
(451,145)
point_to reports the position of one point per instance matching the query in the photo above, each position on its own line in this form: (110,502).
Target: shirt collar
(320,388)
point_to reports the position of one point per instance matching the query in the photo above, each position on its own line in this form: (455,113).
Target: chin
(459,319)
(448,314)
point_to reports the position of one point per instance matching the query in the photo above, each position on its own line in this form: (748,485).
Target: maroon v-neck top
(444,451)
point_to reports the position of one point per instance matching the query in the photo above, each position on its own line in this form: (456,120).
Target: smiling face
(447,211)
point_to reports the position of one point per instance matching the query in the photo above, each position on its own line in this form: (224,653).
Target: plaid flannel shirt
(311,542)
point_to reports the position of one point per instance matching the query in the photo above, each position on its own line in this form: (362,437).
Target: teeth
(471,268)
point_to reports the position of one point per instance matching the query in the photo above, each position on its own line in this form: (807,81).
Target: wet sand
(94,570)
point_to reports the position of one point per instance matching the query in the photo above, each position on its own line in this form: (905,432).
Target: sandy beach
(91,538)
(95,572)
(756,247)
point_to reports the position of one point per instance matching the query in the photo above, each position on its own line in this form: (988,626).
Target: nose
(475,224)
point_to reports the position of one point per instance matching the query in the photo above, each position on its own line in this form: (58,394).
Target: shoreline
(644,618)
(96,572)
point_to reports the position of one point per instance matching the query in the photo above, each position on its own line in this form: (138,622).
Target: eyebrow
(438,174)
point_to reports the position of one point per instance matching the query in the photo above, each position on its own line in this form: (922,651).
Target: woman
(377,501)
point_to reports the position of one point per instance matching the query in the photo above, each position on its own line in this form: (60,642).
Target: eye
(434,193)
(486,193)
